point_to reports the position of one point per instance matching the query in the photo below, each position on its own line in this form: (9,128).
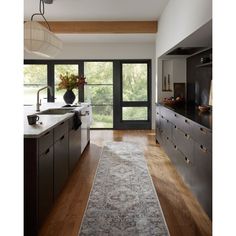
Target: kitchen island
(52,148)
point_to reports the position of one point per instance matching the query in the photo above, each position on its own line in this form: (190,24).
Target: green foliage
(134,113)
(134,82)
(63,69)
(99,72)
(35,74)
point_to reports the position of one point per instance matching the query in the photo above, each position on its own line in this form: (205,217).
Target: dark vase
(69,97)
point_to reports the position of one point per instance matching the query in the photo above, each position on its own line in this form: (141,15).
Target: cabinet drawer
(203,174)
(60,130)
(182,163)
(158,110)
(45,141)
(45,183)
(158,123)
(184,143)
(185,124)
(202,136)
(167,128)
(61,163)
(203,160)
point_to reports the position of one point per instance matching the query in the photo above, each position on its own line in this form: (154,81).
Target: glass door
(99,92)
(134,107)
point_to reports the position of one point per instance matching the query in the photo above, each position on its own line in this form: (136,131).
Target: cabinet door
(61,163)
(158,126)
(85,128)
(74,147)
(45,183)
(203,174)
(203,136)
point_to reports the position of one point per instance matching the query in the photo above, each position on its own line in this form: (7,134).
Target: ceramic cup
(32,119)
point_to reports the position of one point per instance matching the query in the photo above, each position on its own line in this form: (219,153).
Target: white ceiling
(97,10)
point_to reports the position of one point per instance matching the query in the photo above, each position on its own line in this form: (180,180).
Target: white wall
(179,19)
(110,51)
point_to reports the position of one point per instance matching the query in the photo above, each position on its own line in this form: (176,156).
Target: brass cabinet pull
(203,148)
(203,130)
(187,136)
(187,160)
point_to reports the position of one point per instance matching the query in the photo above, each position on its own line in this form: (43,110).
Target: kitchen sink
(56,111)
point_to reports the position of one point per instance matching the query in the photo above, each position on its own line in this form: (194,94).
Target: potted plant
(70,82)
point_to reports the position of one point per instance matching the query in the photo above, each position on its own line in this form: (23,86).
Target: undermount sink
(56,111)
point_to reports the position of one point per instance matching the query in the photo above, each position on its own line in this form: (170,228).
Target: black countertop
(191,112)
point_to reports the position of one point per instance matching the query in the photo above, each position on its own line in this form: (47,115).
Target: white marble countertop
(46,122)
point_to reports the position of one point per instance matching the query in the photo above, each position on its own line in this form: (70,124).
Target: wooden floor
(183,214)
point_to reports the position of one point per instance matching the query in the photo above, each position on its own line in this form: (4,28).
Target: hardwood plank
(183,214)
(102,27)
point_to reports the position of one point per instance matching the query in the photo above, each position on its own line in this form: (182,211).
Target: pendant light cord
(41,13)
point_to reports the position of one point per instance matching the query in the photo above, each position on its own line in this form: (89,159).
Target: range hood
(185,50)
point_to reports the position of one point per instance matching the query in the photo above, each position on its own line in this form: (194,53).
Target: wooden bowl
(204,108)
(169,102)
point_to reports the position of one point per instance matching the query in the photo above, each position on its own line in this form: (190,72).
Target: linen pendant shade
(41,41)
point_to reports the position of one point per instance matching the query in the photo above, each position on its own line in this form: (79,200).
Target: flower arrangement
(70,81)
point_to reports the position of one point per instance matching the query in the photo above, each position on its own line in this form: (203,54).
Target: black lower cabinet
(61,168)
(47,161)
(74,146)
(188,146)
(45,184)
(203,177)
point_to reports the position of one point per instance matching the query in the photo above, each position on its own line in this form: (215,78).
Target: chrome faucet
(38,104)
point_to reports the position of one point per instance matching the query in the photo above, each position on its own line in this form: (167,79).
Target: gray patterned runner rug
(123,200)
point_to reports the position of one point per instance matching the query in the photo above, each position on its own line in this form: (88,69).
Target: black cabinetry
(45,183)
(61,157)
(74,145)
(189,145)
(47,162)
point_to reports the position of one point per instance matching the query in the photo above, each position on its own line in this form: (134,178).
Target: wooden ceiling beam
(102,27)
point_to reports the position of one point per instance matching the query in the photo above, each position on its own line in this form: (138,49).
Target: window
(134,91)
(99,91)
(118,90)
(134,113)
(134,80)
(62,69)
(35,77)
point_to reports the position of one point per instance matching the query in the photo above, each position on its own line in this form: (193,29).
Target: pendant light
(38,39)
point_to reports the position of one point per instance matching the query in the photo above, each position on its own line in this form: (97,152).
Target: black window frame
(117,89)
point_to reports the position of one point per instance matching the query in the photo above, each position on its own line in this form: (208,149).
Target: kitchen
(153,90)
